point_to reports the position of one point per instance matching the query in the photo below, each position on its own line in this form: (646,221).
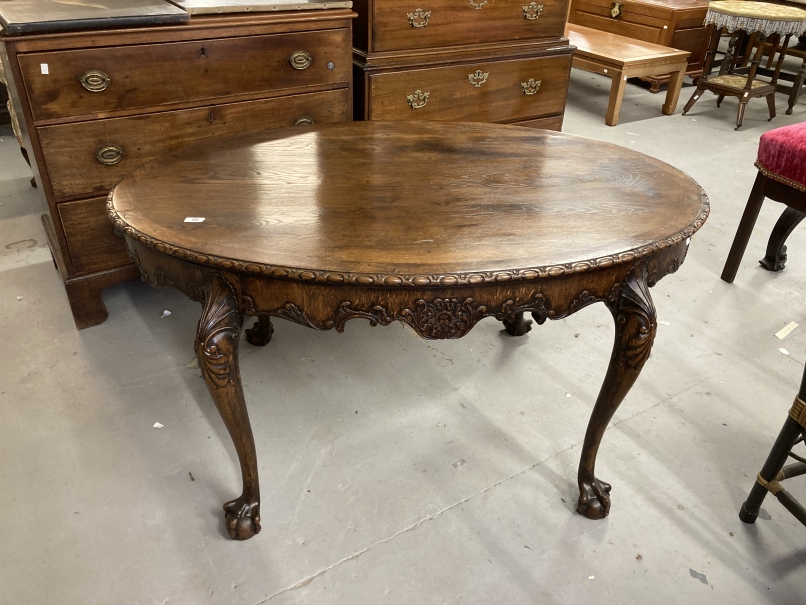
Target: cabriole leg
(260,333)
(217,350)
(634,315)
(775,257)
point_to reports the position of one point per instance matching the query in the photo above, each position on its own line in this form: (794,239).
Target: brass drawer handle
(616,8)
(531,86)
(419,18)
(109,155)
(95,81)
(300,59)
(304,120)
(532,11)
(478,5)
(418,99)
(478,78)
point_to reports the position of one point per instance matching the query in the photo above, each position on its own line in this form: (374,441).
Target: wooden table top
(407,203)
(616,48)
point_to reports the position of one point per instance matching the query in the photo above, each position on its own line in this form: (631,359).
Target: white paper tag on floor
(158,425)
(664,323)
(786,330)
(194,219)
(784,351)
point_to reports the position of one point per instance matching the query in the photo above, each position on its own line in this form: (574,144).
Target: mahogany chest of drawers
(472,60)
(674,23)
(98,104)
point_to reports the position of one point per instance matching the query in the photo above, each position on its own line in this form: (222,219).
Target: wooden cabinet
(472,60)
(98,104)
(674,23)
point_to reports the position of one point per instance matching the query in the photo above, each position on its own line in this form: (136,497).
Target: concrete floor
(397,470)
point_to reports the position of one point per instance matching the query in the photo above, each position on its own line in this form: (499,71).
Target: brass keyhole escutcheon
(530,87)
(95,81)
(304,120)
(300,59)
(109,155)
(532,11)
(419,18)
(418,99)
(616,8)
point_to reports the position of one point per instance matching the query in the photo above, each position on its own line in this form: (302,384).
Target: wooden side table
(621,58)
(437,226)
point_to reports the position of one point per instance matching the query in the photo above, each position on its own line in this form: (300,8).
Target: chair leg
(775,258)
(719,100)
(697,94)
(786,440)
(771,105)
(24,153)
(746,225)
(796,87)
(740,115)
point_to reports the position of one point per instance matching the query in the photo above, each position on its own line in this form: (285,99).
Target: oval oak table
(434,225)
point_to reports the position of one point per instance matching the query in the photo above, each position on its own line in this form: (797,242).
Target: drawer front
(434,23)
(92,243)
(499,91)
(82,82)
(89,157)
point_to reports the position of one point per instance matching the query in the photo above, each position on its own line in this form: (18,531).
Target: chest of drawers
(473,60)
(97,104)
(674,23)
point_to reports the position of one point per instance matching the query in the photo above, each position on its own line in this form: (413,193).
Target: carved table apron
(437,226)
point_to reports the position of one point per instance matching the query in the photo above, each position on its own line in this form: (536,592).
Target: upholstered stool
(781,177)
(774,471)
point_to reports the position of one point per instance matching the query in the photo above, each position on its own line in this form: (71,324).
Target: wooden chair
(781,177)
(774,472)
(743,87)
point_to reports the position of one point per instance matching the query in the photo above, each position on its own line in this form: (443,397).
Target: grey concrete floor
(396,470)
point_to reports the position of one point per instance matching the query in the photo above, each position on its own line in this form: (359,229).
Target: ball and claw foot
(594,499)
(260,333)
(773,263)
(243,519)
(519,326)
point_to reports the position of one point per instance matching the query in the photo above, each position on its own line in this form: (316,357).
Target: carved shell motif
(218,332)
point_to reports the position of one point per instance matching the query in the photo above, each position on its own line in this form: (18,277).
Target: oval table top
(405,203)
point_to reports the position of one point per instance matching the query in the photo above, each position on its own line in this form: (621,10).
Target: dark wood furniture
(775,256)
(500,61)
(795,80)
(774,472)
(782,178)
(112,100)
(437,226)
(5,114)
(674,23)
(742,19)
(621,58)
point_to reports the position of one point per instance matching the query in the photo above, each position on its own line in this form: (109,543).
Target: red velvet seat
(781,177)
(782,155)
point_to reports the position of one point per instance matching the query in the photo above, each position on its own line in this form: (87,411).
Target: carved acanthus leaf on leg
(635,320)
(217,350)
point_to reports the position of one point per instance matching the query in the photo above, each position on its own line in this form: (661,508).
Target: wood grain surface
(390,199)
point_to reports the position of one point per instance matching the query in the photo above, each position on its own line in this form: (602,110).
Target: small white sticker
(158,425)
(785,331)
(605,71)
(194,219)
(784,351)
(44,67)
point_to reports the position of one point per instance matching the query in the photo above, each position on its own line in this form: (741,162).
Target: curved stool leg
(775,258)
(634,315)
(742,236)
